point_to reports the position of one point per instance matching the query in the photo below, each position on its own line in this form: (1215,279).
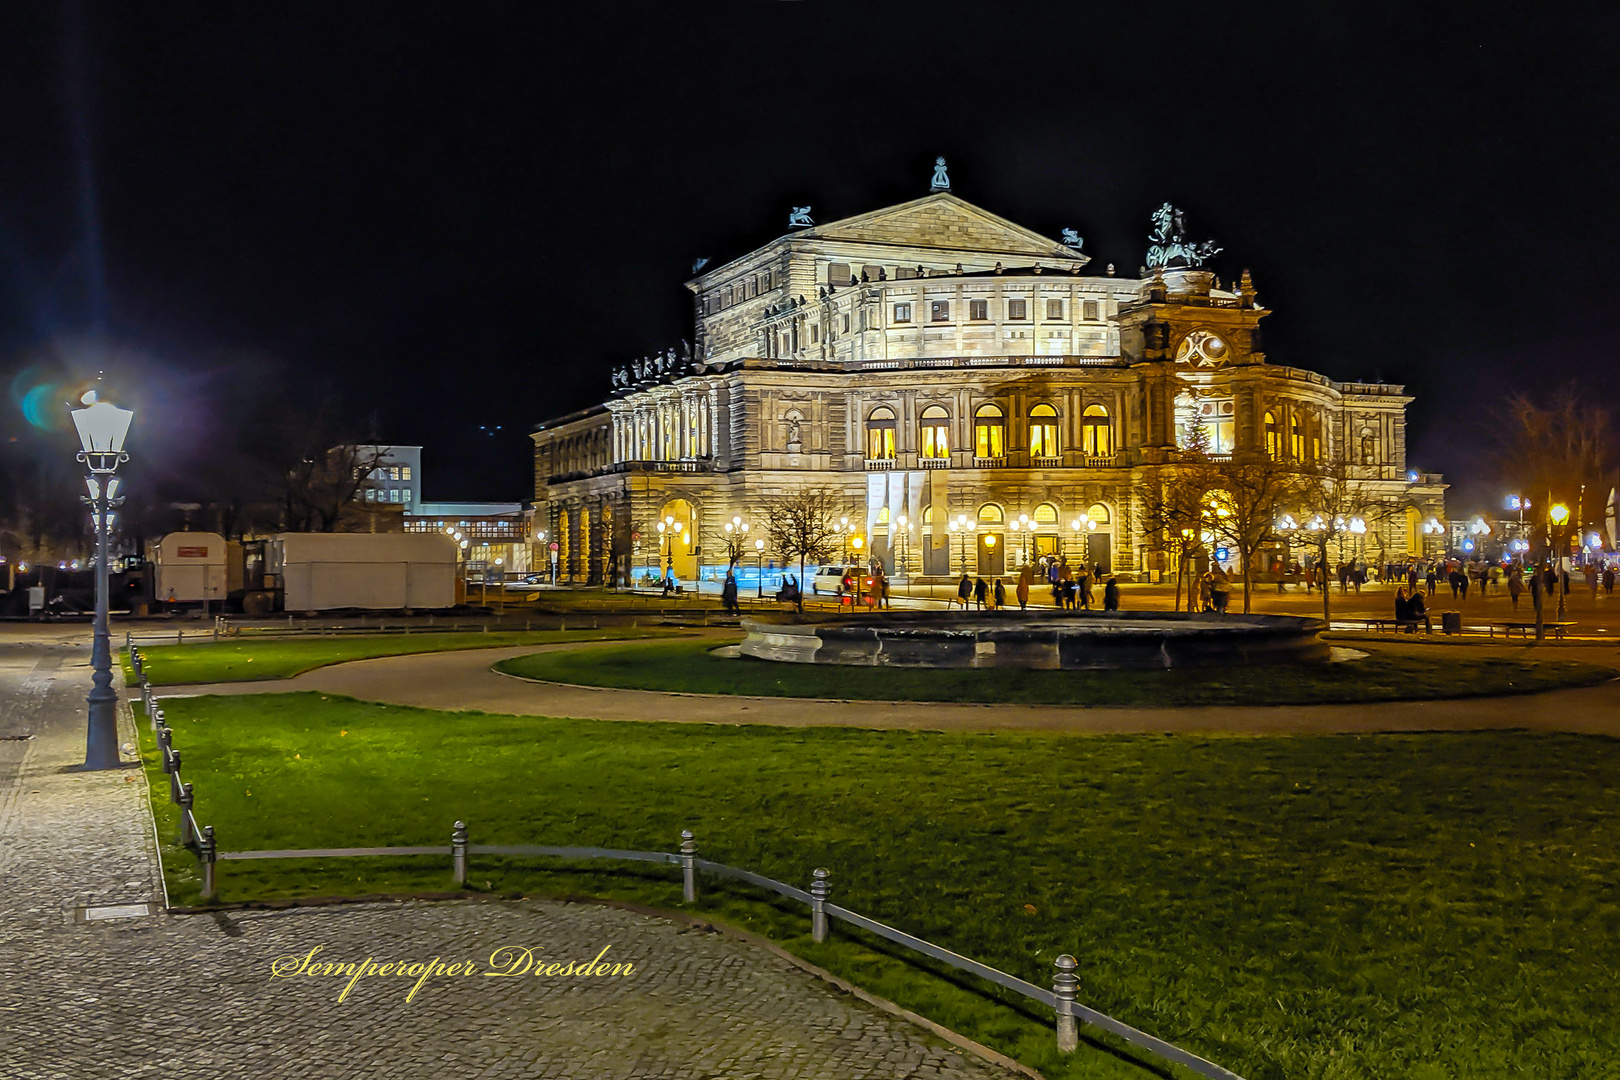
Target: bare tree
(1252,489)
(1557,453)
(734,535)
(323,485)
(1330,502)
(803,525)
(1173,511)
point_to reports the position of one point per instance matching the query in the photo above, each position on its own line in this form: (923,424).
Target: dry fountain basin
(1083,641)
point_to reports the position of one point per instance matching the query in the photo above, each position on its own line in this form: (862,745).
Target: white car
(830,579)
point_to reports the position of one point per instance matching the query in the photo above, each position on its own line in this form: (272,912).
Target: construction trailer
(312,571)
(190,568)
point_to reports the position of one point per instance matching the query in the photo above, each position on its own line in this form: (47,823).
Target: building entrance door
(1099,551)
(936,555)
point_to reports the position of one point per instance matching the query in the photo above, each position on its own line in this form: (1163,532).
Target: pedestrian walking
(1026,577)
(1515,586)
(981,592)
(1000,594)
(1111,595)
(728,594)
(1608,580)
(964,591)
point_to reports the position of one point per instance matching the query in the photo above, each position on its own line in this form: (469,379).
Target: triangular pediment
(944,222)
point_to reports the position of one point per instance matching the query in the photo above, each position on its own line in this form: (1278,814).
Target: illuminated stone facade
(933,361)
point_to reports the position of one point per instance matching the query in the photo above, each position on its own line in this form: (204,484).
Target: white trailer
(189,568)
(377,571)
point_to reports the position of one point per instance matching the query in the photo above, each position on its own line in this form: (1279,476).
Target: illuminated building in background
(933,361)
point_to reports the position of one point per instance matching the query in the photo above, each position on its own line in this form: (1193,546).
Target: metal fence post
(185,814)
(174,776)
(818,904)
(1064,988)
(207,853)
(458,852)
(157,718)
(688,867)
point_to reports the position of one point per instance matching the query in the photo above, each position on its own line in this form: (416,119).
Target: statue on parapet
(941,182)
(800,218)
(1168,243)
(1073,239)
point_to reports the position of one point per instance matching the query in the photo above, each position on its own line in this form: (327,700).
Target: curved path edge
(464,680)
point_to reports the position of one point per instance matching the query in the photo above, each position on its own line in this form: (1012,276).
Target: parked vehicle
(830,579)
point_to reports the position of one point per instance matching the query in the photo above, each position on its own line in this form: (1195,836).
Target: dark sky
(462,215)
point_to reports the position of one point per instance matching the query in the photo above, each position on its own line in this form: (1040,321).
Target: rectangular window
(902,313)
(393,472)
(405,496)
(939,311)
(846,324)
(880,443)
(1091,311)
(1043,440)
(1054,309)
(1017,309)
(815,334)
(978,309)
(404,472)
(838,273)
(936,440)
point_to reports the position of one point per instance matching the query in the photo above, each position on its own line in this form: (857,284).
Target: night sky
(450,217)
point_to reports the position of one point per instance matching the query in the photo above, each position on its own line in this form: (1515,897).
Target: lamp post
(669,530)
(902,536)
(102,427)
(1559,513)
(759,553)
(960,527)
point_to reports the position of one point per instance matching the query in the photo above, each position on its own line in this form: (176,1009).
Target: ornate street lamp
(102,427)
(759,553)
(960,527)
(669,530)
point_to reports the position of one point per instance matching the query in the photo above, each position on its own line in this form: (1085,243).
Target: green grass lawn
(1390,673)
(282,658)
(1436,907)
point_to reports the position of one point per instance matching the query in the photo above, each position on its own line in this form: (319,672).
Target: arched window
(880,434)
(989,432)
(1043,432)
(1045,514)
(990,514)
(882,515)
(936,432)
(1296,441)
(1096,435)
(928,514)
(1273,436)
(1099,513)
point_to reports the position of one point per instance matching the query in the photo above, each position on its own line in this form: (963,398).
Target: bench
(1527,628)
(1378,625)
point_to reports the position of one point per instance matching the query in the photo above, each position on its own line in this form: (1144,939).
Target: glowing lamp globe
(101,425)
(1559,513)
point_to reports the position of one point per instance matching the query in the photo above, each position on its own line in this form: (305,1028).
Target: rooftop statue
(1073,239)
(699,264)
(800,218)
(1168,243)
(941,182)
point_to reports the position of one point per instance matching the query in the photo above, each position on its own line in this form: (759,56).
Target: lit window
(1017,309)
(936,433)
(404,472)
(405,496)
(1045,514)
(978,309)
(902,313)
(1054,309)
(990,514)
(393,472)
(928,514)
(1273,436)
(1296,441)
(1099,514)
(880,435)
(1043,432)
(1096,435)
(939,311)
(989,432)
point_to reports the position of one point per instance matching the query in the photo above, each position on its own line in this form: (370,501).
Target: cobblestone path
(179,997)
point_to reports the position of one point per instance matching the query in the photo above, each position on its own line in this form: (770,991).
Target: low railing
(934,462)
(989,462)
(879,464)
(199,839)
(1061,998)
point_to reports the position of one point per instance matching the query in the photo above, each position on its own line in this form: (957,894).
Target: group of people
(1071,591)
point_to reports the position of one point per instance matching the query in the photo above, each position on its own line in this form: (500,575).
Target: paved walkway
(463,680)
(181,997)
